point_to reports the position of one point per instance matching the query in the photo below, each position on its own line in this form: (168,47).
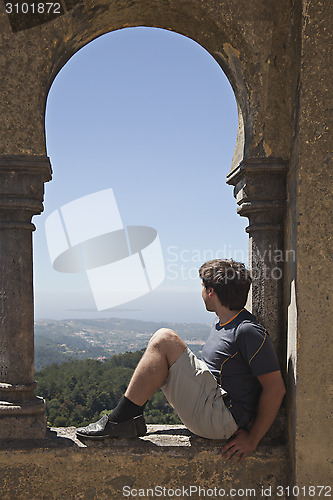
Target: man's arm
(243,442)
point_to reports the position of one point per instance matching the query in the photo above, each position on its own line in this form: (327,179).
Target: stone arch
(226,57)
(255,62)
(83,23)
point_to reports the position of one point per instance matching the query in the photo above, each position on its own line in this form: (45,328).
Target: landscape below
(83,366)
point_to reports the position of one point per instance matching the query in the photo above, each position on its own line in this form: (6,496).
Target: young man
(234,392)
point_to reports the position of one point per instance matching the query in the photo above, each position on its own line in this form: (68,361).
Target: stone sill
(62,467)
(159,437)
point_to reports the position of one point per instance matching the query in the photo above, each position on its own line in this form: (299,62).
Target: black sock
(125,410)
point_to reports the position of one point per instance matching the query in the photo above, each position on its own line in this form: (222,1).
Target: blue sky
(150,114)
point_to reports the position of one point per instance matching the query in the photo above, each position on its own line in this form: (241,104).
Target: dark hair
(229,279)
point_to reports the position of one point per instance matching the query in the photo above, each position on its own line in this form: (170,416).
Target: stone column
(260,191)
(22,414)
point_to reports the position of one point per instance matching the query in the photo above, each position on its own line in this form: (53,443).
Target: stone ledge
(61,467)
(158,438)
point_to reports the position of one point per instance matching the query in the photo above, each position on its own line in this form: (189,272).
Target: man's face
(207,299)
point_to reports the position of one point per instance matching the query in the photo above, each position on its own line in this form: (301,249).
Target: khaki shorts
(197,398)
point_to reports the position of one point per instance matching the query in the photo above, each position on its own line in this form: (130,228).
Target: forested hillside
(80,392)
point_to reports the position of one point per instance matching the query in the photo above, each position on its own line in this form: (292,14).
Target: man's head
(230,281)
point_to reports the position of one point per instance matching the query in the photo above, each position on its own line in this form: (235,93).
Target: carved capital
(22,180)
(260,191)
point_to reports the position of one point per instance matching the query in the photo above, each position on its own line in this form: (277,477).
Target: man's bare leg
(126,420)
(164,348)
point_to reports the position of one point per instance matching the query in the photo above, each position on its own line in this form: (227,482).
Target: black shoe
(104,429)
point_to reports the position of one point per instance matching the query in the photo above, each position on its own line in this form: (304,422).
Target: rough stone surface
(168,457)
(309,231)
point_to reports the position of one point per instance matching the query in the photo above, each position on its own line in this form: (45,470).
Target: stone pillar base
(25,420)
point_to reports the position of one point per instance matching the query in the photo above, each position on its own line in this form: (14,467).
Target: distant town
(72,339)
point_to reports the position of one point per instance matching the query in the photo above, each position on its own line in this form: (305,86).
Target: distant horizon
(123,319)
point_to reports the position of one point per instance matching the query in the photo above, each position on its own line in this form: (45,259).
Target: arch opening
(159,144)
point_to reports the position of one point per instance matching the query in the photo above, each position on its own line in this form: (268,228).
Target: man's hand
(241,444)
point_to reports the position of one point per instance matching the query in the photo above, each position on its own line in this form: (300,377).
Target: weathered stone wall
(309,232)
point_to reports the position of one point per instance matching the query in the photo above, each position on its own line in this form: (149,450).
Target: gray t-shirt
(236,353)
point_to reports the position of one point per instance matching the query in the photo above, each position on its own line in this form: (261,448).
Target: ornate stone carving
(260,191)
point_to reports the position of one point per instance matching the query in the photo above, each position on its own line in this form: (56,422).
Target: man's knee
(168,343)
(165,336)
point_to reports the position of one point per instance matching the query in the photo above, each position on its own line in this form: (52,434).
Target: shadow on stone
(52,440)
